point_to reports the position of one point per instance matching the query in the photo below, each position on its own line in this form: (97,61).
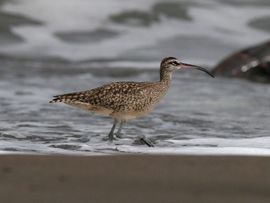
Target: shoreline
(134,178)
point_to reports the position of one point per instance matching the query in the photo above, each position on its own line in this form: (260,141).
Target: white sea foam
(208,146)
(225,147)
(246,151)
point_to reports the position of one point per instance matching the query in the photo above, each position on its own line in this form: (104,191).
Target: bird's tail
(66,97)
(55,100)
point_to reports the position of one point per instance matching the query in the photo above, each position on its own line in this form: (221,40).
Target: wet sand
(134,178)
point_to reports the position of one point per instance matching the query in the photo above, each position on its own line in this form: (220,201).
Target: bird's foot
(144,140)
(119,135)
(110,138)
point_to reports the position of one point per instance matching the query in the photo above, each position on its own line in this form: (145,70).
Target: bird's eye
(175,63)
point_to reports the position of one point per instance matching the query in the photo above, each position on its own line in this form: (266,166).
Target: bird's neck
(165,77)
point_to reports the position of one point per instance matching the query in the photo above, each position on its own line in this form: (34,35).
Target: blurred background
(54,47)
(76,30)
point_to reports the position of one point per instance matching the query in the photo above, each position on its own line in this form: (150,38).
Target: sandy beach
(134,178)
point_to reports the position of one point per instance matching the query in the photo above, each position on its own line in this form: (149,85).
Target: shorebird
(124,101)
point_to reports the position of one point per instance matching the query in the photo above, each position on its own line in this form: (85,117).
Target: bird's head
(170,64)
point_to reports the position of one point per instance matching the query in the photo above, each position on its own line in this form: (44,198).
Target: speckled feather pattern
(119,97)
(122,100)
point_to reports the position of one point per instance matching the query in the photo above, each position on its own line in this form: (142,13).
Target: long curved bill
(186,65)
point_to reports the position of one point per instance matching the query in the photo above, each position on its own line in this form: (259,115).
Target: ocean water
(54,47)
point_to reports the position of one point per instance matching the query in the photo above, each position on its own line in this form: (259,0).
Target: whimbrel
(124,101)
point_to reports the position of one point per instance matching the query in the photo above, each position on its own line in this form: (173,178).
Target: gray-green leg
(118,133)
(110,135)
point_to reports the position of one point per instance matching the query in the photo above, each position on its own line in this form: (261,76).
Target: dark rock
(252,63)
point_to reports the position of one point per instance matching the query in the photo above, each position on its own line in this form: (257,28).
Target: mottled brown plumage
(125,100)
(121,100)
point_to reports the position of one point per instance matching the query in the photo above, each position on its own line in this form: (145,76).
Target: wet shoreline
(196,114)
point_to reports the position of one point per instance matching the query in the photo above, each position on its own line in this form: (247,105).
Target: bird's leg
(110,135)
(118,133)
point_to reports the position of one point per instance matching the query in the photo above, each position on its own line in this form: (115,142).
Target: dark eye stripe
(175,63)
